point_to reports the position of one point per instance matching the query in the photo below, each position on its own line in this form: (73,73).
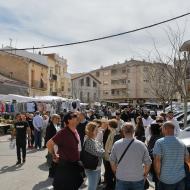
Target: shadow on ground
(43,167)
(30,151)
(12,168)
(43,184)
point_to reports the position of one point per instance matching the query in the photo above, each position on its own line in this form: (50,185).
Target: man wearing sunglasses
(67,175)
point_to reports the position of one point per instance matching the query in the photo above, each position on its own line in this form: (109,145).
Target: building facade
(59,78)
(28,68)
(10,86)
(125,82)
(86,88)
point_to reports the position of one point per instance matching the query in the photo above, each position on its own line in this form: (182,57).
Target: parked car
(177,113)
(185,137)
(181,122)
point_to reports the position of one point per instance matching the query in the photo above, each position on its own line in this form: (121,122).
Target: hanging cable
(100,38)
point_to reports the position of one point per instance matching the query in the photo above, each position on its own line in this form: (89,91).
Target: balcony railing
(54,93)
(53,77)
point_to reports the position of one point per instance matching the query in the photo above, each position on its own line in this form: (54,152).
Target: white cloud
(50,22)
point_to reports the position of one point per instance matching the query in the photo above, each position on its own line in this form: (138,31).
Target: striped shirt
(172,152)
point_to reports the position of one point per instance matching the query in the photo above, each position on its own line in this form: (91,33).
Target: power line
(101,38)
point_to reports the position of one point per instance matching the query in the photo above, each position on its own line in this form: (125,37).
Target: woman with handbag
(94,148)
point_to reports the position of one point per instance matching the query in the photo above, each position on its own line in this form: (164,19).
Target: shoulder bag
(125,151)
(88,160)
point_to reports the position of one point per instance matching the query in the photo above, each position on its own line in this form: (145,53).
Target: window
(81,82)
(129,81)
(51,87)
(32,78)
(105,92)
(112,91)
(105,83)
(188,73)
(118,82)
(41,81)
(123,71)
(87,81)
(106,73)
(94,84)
(88,96)
(146,90)
(128,70)
(11,74)
(145,80)
(123,81)
(94,96)
(188,87)
(81,96)
(97,74)
(145,69)
(113,71)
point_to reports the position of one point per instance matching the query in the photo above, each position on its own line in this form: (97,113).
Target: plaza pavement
(33,175)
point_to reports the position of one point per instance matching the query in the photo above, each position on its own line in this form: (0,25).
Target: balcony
(54,93)
(53,77)
(39,84)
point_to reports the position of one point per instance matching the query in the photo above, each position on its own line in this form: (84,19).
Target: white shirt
(177,128)
(146,123)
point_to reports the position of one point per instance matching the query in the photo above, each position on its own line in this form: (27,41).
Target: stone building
(59,79)
(29,68)
(86,88)
(10,86)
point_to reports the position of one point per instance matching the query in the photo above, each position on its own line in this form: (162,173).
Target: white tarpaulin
(18,98)
(50,98)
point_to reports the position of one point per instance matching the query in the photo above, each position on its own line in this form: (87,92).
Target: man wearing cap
(67,175)
(169,156)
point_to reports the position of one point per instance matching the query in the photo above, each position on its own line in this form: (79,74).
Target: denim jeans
(38,138)
(129,185)
(177,186)
(93,177)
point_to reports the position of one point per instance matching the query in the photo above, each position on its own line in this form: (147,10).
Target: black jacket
(81,130)
(50,132)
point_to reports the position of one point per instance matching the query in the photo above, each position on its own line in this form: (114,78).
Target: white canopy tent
(18,98)
(50,98)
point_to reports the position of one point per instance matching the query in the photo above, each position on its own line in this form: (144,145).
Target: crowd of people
(131,144)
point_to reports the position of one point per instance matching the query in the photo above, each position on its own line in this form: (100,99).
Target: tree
(177,65)
(161,84)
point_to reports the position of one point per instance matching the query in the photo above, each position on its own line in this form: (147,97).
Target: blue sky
(38,23)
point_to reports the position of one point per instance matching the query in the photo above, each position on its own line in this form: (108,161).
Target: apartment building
(86,88)
(59,78)
(28,68)
(125,82)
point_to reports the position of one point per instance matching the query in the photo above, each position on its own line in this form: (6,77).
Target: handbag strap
(125,151)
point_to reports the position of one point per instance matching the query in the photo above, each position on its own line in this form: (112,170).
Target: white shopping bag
(12,144)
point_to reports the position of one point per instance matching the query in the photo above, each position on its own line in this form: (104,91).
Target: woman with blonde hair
(92,146)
